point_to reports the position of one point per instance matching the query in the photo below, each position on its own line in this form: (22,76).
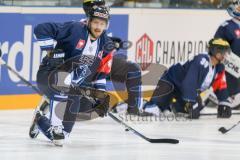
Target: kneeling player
(192,78)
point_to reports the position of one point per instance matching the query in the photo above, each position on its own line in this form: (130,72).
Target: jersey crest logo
(80,44)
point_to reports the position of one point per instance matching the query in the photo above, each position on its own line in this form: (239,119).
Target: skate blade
(33,125)
(58,143)
(33,134)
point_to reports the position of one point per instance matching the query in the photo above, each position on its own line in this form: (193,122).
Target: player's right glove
(187,107)
(193,113)
(53,59)
(102,105)
(224,110)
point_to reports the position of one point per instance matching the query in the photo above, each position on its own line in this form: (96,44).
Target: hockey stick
(215,114)
(223,130)
(102,94)
(86,92)
(19,76)
(151,140)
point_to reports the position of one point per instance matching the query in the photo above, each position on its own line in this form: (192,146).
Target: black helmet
(99,12)
(218,45)
(88,5)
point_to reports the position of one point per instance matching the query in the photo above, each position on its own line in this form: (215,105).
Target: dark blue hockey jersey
(188,78)
(230,31)
(72,37)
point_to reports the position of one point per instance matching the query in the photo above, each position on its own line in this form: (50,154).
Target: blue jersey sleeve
(222,32)
(47,33)
(193,78)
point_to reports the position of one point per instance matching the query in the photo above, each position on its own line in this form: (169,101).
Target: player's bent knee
(134,67)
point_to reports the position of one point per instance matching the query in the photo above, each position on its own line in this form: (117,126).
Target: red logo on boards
(144,51)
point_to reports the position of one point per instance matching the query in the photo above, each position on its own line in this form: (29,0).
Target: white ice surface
(104,139)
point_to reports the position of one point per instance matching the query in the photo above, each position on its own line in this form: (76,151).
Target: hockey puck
(126,129)
(222,130)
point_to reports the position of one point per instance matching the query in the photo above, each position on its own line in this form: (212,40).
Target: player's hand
(187,107)
(194,113)
(102,106)
(117,42)
(55,58)
(224,110)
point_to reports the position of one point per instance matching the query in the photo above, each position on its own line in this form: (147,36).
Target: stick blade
(172,141)
(222,130)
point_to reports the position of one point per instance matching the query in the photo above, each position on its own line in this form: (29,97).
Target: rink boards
(163,36)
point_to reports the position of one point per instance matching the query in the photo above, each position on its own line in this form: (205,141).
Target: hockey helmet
(99,12)
(218,45)
(234,9)
(88,5)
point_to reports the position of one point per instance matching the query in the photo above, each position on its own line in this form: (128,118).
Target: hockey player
(192,78)
(230,31)
(122,71)
(74,39)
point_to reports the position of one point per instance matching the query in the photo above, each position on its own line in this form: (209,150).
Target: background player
(192,78)
(230,31)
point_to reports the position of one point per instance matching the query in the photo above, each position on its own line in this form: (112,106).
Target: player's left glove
(117,42)
(224,110)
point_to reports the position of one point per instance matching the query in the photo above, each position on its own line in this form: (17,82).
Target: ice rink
(103,139)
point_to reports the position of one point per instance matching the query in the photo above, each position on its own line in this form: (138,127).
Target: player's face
(221,56)
(238,8)
(97,26)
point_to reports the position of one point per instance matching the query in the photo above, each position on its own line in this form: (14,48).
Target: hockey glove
(54,58)
(196,109)
(102,106)
(224,110)
(192,113)
(195,112)
(117,42)
(187,107)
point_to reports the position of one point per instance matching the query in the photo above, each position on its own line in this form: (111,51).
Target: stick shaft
(19,76)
